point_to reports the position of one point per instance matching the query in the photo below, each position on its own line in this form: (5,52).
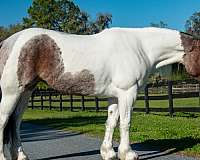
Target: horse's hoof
(22,156)
(2,157)
(108,153)
(127,154)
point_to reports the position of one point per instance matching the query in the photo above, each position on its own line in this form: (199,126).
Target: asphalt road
(43,143)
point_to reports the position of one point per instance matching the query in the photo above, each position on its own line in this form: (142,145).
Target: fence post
(71,102)
(199,94)
(170,95)
(42,102)
(83,103)
(32,100)
(146,98)
(61,106)
(97,103)
(50,104)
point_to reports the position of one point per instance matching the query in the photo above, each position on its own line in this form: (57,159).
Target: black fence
(168,90)
(46,97)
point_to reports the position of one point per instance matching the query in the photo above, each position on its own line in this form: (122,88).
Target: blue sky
(127,13)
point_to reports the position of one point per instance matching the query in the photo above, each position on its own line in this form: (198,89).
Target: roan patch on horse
(114,63)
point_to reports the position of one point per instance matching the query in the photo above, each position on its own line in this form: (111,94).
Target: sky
(126,13)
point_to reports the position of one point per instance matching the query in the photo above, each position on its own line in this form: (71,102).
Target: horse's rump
(6,47)
(4,54)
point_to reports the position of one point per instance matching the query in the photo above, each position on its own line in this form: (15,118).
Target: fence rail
(50,96)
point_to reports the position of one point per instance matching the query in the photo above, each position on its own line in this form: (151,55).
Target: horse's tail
(8,139)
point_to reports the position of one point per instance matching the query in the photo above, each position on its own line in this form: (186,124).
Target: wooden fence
(170,90)
(47,97)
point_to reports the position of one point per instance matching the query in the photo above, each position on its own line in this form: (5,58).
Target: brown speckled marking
(192,54)
(40,58)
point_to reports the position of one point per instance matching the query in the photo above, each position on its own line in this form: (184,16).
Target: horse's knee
(112,108)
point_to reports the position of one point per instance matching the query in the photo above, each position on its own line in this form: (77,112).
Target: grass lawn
(180,133)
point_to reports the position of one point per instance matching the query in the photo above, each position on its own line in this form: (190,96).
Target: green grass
(180,133)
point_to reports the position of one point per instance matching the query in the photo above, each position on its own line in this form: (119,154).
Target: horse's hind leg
(8,103)
(107,151)
(17,151)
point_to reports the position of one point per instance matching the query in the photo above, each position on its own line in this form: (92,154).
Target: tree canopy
(193,24)
(161,24)
(7,31)
(59,15)
(65,16)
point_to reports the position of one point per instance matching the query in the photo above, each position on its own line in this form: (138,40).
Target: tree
(103,21)
(161,24)
(193,24)
(8,31)
(65,16)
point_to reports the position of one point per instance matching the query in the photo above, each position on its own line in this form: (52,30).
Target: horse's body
(114,63)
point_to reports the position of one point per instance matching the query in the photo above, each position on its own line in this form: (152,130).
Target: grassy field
(178,134)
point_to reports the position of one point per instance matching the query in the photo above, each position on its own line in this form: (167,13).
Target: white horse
(114,63)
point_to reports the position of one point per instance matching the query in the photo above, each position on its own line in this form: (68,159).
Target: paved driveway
(43,143)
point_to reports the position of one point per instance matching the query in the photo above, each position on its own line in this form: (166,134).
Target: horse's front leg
(107,151)
(126,99)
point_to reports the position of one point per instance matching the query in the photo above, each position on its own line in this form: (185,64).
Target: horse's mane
(197,37)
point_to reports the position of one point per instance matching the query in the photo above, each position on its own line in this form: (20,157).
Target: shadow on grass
(64,123)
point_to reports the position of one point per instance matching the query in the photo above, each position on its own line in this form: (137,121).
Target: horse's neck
(164,47)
